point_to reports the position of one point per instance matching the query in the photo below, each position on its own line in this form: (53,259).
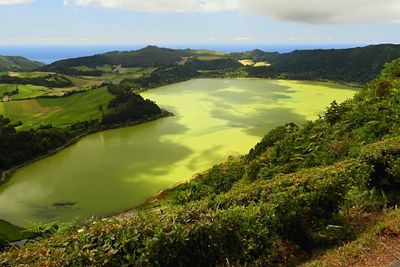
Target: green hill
(150,56)
(360,64)
(18,64)
(146,57)
(300,192)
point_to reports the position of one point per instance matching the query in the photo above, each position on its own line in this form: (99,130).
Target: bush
(384,158)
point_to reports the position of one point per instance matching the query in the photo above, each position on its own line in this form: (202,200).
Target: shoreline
(130,212)
(154,198)
(7,174)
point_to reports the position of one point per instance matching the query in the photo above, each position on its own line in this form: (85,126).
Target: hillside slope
(148,56)
(359,64)
(18,64)
(300,192)
(378,246)
(350,65)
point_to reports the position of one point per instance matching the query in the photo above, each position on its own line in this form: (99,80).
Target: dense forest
(128,106)
(299,192)
(214,64)
(346,65)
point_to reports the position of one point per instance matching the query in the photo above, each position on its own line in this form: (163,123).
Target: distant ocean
(50,53)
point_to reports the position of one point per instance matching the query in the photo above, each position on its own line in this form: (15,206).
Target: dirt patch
(118,69)
(13,74)
(6,98)
(386,251)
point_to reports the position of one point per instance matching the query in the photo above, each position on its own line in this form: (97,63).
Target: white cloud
(14,2)
(162,5)
(305,11)
(242,38)
(326,11)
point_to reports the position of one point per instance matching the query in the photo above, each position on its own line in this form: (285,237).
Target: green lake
(119,169)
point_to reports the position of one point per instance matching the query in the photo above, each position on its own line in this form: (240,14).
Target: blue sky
(199,21)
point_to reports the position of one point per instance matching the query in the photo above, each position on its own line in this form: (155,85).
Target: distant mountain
(359,64)
(18,64)
(146,57)
(256,55)
(150,56)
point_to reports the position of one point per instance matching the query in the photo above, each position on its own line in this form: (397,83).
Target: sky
(163,22)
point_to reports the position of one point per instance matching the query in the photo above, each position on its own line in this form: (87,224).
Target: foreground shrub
(384,156)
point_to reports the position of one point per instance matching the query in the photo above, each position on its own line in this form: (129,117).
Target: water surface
(118,169)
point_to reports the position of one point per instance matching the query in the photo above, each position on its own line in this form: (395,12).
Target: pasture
(57,111)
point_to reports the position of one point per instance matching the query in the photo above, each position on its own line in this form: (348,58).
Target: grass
(377,246)
(32,91)
(25,91)
(80,82)
(246,62)
(57,111)
(125,73)
(249,62)
(262,64)
(32,74)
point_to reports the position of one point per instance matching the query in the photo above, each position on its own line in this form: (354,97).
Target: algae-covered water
(118,169)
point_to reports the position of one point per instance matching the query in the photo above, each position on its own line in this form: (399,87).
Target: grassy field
(262,64)
(32,74)
(79,82)
(133,72)
(249,62)
(32,91)
(57,111)
(24,91)
(124,73)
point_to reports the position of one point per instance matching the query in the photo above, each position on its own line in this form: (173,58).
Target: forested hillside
(149,56)
(299,192)
(347,65)
(343,65)
(18,64)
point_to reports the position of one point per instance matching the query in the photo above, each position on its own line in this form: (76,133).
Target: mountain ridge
(342,65)
(18,63)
